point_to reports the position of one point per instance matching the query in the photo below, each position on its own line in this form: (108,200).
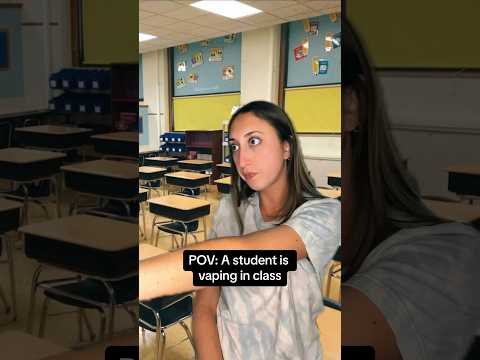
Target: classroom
(196,69)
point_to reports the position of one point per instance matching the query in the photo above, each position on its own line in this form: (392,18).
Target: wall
(439,109)
(45,49)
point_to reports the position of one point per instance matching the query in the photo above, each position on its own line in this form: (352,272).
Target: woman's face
(258,153)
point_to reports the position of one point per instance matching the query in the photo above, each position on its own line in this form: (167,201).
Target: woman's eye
(234,147)
(254,141)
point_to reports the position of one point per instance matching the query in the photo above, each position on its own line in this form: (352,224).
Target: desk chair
(334,272)
(159,314)
(6,131)
(178,227)
(9,261)
(38,193)
(90,293)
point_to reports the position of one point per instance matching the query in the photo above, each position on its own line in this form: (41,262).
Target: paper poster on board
(216,54)
(180,83)
(182,66)
(228,72)
(192,78)
(301,51)
(182,49)
(313,28)
(204,43)
(197,59)
(329,41)
(230,38)
(306,25)
(333,17)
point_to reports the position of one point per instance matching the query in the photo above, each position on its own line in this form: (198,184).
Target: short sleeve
(317,222)
(422,282)
(224,222)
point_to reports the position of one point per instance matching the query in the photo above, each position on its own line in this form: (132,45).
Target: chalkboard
(300,72)
(212,74)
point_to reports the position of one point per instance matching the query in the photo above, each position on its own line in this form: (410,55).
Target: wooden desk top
(20,345)
(97,351)
(110,168)
(142,191)
(226,181)
(150,169)
(330,193)
(179,202)
(472,169)
(27,156)
(161,158)
(86,230)
(329,327)
(6,205)
(335,174)
(146,251)
(145,149)
(225,164)
(454,211)
(128,136)
(196,162)
(54,130)
(187,175)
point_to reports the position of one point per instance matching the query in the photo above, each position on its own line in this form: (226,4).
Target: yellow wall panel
(203,112)
(314,109)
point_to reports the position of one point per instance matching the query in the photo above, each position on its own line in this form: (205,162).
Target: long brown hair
(300,184)
(385,196)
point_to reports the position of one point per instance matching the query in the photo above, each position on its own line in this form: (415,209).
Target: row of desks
(121,143)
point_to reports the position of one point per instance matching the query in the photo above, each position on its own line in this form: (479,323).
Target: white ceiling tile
(186,12)
(158,20)
(268,5)
(323,4)
(258,19)
(144,14)
(285,12)
(209,20)
(159,6)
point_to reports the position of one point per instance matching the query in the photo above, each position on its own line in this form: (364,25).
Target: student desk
(149,173)
(26,166)
(180,208)
(329,327)
(107,179)
(334,179)
(162,161)
(454,211)
(53,136)
(224,168)
(223,184)
(186,179)
(330,193)
(196,165)
(19,345)
(122,143)
(464,179)
(89,245)
(146,251)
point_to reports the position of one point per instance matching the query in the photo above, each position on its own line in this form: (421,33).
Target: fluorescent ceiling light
(145,37)
(228,8)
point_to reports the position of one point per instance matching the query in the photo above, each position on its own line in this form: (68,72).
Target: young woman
(410,279)
(274,205)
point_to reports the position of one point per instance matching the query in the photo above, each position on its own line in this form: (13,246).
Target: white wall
(46,48)
(435,122)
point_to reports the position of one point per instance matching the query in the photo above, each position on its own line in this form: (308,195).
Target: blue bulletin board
(213,72)
(300,72)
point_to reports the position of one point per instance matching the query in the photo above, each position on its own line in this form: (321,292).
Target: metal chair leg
(33,290)
(9,249)
(161,340)
(4,301)
(43,317)
(80,325)
(188,332)
(91,334)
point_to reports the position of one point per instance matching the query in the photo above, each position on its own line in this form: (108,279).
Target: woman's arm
(164,275)
(364,325)
(204,324)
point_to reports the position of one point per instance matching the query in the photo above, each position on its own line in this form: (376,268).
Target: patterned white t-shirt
(426,283)
(265,323)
